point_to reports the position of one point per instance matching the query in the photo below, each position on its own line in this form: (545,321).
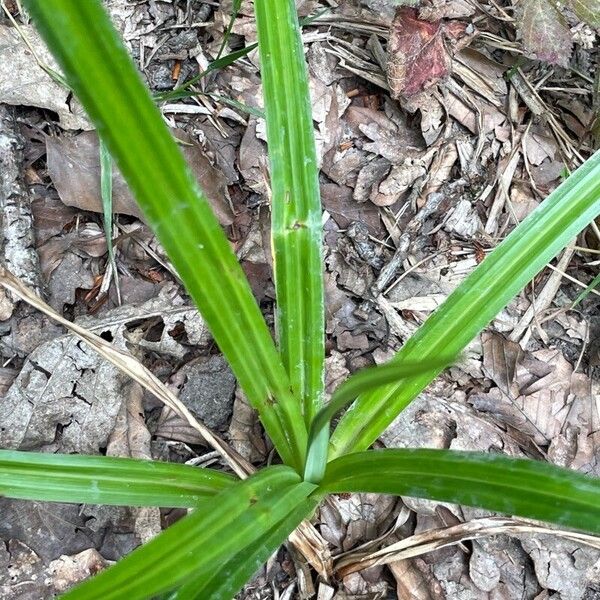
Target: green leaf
(235,9)
(359,383)
(99,70)
(106,191)
(105,480)
(587,291)
(230,577)
(520,487)
(296,207)
(183,91)
(574,204)
(212,535)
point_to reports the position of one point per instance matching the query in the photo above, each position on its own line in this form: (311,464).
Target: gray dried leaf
(21,573)
(560,565)
(369,177)
(66,398)
(48,528)
(245,430)
(539,403)
(464,220)
(24,82)
(545,31)
(131,438)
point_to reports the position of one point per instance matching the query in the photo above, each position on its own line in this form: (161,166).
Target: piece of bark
(18,252)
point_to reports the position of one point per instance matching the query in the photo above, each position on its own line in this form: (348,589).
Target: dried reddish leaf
(587,10)
(546,34)
(418,56)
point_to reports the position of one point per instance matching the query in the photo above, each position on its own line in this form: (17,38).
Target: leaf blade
(296,208)
(360,382)
(209,536)
(102,74)
(230,577)
(587,10)
(522,487)
(105,480)
(504,272)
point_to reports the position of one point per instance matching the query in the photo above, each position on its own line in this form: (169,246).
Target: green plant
(214,550)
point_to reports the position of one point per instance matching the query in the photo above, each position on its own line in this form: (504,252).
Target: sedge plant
(236,525)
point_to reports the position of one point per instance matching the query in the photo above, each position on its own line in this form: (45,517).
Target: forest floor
(438,129)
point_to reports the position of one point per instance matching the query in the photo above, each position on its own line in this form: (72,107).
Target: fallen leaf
(66,571)
(24,82)
(546,34)
(245,431)
(130,438)
(417,54)
(74,167)
(48,528)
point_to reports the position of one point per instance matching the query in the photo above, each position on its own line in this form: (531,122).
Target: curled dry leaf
(418,54)
(428,541)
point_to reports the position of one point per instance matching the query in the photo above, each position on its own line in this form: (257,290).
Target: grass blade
(106,192)
(296,207)
(211,535)
(231,576)
(98,69)
(235,9)
(183,91)
(105,480)
(362,381)
(574,204)
(520,487)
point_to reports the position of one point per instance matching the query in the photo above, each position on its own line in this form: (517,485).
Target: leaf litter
(439,126)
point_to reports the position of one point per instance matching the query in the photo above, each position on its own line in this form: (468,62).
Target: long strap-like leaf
(226,580)
(477,301)
(520,487)
(296,206)
(98,69)
(105,480)
(210,536)
(360,382)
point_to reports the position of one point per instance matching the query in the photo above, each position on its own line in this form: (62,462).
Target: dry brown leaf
(414,583)
(74,166)
(417,53)
(245,431)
